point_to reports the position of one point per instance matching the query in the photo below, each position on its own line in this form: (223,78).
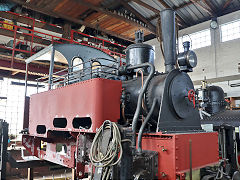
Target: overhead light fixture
(82,28)
(214,23)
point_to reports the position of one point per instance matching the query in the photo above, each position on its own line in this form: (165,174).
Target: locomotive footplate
(180,153)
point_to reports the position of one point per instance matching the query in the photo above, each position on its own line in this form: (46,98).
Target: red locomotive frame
(99,99)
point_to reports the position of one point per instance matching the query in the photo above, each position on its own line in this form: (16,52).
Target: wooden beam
(14,73)
(174,8)
(73,173)
(210,11)
(67,27)
(210,6)
(180,20)
(30,174)
(227,3)
(75,20)
(185,5)
(115,15)
(14,70)
(153,17)
(44,64)
(203,7)
(164,3)
(137,14)
(146,6)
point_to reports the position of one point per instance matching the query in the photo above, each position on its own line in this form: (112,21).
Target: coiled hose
(114,151)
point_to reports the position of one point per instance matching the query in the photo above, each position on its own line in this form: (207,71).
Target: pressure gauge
(214,24)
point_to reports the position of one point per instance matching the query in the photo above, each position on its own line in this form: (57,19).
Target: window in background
(12,103)
(199,39)
(230,31)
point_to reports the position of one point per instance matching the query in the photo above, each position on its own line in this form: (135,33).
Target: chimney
(169,38)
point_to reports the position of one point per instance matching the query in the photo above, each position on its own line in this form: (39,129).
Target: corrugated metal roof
(122,18)
(142,10)
(191,14)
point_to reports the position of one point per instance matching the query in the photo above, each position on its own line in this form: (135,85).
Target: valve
(191,97)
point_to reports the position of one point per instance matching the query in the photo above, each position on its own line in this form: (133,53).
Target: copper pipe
(143,105)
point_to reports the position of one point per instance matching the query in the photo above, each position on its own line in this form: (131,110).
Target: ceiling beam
(75,20)
(146,6)
(180,20)
(185,5)
(38,63)
(210,6)
(203,7)
(210,10)
(153,17)
(115,15)
(226,4)
(138,15)
(20,67)
(164,3)
(15,72)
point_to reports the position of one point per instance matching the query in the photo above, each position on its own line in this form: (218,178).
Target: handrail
(74,31)
(98,38)
(89,72)
(55,39)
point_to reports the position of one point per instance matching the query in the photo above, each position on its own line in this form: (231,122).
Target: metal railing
(32,38)
(108,69)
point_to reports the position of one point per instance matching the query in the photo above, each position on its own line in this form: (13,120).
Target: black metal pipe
(139,103)
(51,68)
(169,38)
(140,133)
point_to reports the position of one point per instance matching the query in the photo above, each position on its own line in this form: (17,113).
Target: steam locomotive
(122,120)
(226,122)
